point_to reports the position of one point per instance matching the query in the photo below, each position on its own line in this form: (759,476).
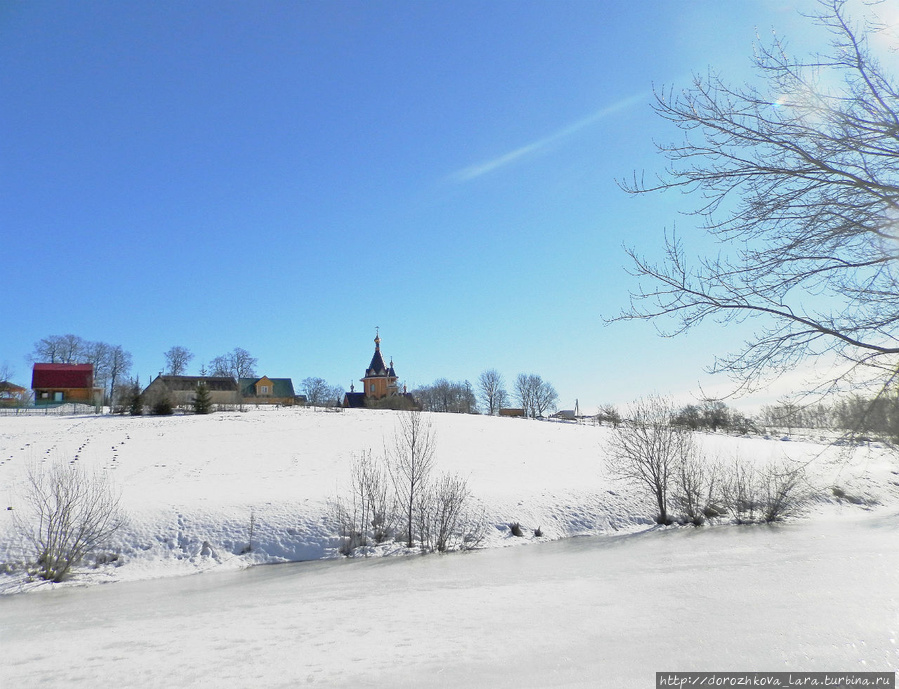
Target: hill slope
(191,483)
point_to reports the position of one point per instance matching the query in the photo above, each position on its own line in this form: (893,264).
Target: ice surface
(818,593)
(583,612)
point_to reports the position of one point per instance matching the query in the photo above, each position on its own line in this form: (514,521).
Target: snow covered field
(819,593)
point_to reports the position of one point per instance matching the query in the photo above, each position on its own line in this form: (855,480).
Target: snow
(817,593)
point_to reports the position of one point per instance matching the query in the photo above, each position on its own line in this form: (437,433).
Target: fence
(51,409)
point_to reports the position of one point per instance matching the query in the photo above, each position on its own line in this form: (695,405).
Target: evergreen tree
(202,400)
(163,406)
(136,402)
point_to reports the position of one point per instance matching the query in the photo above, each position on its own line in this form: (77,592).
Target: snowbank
(192,485)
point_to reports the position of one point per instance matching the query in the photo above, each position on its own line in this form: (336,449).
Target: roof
(190,383)
(6,386)
(354,400)
(281,387)
(376,367)
(62,376)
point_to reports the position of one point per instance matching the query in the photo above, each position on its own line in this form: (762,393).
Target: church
(379,386)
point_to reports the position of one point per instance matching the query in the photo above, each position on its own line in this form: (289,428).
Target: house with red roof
(55,383)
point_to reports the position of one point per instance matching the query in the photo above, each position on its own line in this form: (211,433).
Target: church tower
(379,380)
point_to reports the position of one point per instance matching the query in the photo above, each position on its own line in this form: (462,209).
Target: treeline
(876,415)
(533,395)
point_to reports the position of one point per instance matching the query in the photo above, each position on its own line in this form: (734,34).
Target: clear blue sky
(285,176)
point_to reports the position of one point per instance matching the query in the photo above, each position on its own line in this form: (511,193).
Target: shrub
(766,494)
(782,491)
(69,513)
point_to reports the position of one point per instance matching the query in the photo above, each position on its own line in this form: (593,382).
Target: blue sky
(286,176)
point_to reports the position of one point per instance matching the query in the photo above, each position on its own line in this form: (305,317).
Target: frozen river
(592,612)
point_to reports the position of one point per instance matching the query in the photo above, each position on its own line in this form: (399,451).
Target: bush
(782,492)
(695,482)
(767,494)
(69,513)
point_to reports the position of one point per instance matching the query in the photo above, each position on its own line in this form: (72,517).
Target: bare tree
(69,513)
(647,448)
(220,367)
(6,372)
(797,178)
(59,349)
(447,396)
(524,394)
(410,461)
(119,365)
(609,414)
(237,364)
(535,395)
(492,390)
(545,397)
(318,392)
(177,359)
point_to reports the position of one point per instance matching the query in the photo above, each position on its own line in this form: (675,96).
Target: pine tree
(136,406)
(202,400)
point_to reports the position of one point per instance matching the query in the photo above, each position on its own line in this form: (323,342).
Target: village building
(379,385)
(12,395)
(267,390)
(58,383)
(182,390)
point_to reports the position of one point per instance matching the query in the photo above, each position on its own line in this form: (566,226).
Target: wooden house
(12,395)
(181,390)
(58,383)
(267,390)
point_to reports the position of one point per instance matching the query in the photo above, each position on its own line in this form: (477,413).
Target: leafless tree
(237,364)
(68,514)
(59,349)
(318,392)
(797,178)
(410,461)
(447,396)
(535,395)
(492,390)
(177,359)
(6,372)
(608,413)
(118,363)
(646,449)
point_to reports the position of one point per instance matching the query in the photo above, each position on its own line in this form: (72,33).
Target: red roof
(62,376)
